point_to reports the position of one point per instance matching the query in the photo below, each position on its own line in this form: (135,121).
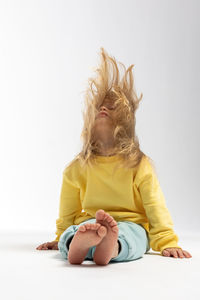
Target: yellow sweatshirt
(130,195)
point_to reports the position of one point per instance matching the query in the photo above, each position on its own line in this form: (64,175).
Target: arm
(69,202)
(161,233)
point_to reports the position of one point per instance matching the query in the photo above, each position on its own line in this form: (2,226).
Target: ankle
(116,250)
(69,242)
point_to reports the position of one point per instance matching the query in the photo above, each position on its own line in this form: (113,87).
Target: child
(111,205)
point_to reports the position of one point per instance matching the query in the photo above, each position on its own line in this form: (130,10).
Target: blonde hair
(108,85)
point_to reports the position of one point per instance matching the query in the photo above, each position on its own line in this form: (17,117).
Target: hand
(176,252)
(49,245)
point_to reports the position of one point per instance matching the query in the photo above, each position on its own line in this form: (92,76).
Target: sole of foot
(108,247)
(87,235)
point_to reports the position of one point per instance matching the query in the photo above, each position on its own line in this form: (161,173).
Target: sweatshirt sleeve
(161,233)
(69,201)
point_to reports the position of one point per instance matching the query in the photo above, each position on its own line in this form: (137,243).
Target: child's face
(105,123)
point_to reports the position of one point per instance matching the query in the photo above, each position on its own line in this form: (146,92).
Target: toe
(115,228)
(100,214)
(95,226)
(107,218)
(92,226)
(102,231)
(110,219)
(82,228)
(88,225)
(113,223)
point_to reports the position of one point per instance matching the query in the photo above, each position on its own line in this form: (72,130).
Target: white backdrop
(48,49)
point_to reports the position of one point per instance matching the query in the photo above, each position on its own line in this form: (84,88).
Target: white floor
(27,273)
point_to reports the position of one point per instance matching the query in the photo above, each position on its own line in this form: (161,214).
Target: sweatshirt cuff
(57,238)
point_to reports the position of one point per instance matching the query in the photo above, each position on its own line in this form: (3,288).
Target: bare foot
(87,235)
(108,248)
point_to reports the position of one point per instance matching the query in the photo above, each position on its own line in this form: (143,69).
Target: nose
(102,108)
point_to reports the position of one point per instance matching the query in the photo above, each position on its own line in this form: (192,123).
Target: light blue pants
(133,239)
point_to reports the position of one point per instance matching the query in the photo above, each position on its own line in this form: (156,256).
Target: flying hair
(120,91)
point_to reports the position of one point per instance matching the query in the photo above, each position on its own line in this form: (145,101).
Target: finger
(180,253)
(39,247)
(173,251)
(43,246)
(187,254)
(166,253)
(46,245)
